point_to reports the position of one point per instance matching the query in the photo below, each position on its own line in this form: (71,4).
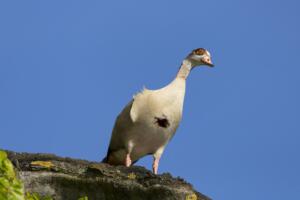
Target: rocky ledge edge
(59,178)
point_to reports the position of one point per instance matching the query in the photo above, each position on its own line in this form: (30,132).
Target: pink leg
(128,160)
(155,165)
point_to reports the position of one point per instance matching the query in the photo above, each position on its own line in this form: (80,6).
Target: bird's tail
(104,160)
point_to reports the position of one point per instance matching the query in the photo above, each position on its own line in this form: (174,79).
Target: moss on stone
(36,196)
(10,187)
(131,176)
(83,198)
(191,197)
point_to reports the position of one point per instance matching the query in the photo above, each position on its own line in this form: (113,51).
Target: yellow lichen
(131,176)
(191,197)
(44,164)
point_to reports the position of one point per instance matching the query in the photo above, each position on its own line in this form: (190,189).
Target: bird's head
(199,57)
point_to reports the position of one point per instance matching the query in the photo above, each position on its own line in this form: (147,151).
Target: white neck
(184,69)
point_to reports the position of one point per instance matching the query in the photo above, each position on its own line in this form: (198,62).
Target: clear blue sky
(67,68)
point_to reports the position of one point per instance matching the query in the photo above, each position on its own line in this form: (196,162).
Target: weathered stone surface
(70,179)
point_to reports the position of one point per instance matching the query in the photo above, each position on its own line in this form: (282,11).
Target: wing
(124,122)
(140,104)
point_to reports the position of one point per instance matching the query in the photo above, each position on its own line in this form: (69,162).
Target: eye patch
(199,51)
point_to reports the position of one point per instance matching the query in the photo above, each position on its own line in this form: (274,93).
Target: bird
(149,121)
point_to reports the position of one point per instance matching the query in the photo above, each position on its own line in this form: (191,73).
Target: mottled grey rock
(70,179)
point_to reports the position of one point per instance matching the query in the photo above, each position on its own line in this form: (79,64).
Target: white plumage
(150,120)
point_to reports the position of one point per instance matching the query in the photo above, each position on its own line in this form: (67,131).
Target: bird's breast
(155,128)
(157,115)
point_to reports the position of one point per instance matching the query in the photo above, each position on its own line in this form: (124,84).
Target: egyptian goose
(150,119)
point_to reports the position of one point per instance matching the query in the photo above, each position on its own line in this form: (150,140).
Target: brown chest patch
(162,121)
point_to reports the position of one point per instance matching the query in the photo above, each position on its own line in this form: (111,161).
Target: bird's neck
(184,69)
